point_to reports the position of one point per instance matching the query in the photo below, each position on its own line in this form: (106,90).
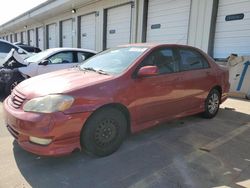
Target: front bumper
(63,129)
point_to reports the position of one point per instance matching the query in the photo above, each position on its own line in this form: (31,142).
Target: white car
(54,59)
(44,62)
(5,48)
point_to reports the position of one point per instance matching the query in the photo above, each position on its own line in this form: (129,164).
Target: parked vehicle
(30,49)
(47,61)
(121,90)
(5,48)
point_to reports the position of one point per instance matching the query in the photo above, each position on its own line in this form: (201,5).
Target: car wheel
(12,83)
(248,96)
(212,104)
(104,132)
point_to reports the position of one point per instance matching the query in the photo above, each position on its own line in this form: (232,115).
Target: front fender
(89,105)
(29,71)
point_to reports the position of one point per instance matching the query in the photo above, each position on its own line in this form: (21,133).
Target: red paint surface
(149,101)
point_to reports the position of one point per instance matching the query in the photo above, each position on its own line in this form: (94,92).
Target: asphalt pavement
(188,153)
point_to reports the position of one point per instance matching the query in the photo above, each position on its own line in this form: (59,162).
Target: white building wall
(200,32)
(200,24)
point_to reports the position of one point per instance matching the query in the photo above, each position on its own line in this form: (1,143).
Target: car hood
(59,82)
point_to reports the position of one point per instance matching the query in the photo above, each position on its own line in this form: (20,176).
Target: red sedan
(119,91)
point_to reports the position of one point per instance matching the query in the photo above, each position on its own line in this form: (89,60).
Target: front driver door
(158,97)
(58,61)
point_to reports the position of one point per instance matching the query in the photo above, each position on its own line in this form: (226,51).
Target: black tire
(104,132)
(212,104)
(248,96)
(12,83)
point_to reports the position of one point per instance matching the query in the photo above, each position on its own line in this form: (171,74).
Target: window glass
(82,56)
(163,59)
(5,47)
(62,57)
(191,60)
(114,61)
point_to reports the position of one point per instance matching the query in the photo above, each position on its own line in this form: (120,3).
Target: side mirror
(44,62)
(20,51)
(148,71)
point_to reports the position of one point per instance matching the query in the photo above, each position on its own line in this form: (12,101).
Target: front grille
(13,132)
(16,99)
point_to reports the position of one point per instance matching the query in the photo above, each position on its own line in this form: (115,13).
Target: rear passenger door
(197,77)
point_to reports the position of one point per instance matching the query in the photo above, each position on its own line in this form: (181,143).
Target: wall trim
(213,28)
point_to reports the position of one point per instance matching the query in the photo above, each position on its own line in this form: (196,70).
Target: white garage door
(24,37)
(40,38)
(232,34)
(67,38)
(168,21)
(51,36)
(88,31)
(118,25)
(19,37)
(11,38)
(31,37)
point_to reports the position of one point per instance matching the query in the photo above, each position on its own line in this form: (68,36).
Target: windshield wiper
(94,70)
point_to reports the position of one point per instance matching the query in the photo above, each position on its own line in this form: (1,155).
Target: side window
(82,56)
(162,58)
(191,60)
(5,47)
(62,57)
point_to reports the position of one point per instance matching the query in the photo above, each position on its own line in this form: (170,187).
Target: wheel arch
(122,108)
(218,88)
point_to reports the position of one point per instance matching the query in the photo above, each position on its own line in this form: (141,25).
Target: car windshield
(38,57)
(113,61)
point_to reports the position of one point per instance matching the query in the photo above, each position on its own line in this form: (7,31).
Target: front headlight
(49,104)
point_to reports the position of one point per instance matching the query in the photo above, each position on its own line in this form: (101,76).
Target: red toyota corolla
(121,90)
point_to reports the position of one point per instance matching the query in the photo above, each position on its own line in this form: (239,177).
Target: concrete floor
(191,152)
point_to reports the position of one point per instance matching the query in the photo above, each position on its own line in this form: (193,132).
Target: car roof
(71,49)
(153,45)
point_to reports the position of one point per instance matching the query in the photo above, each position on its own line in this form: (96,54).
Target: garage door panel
(52,36)
(228,2)
(232,36)
(173,25)
(40,38)
(168,21)
(88,31)
(166,13)
(67,38)
(170,32)
(236,41)
(233,8)
(24,35)
(31,37)
(221,52)
(171,4)
(231,28)
(118,25)
(221,22)
(171,37)
(18,37)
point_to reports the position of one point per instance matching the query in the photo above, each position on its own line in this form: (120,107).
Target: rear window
(191,60)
